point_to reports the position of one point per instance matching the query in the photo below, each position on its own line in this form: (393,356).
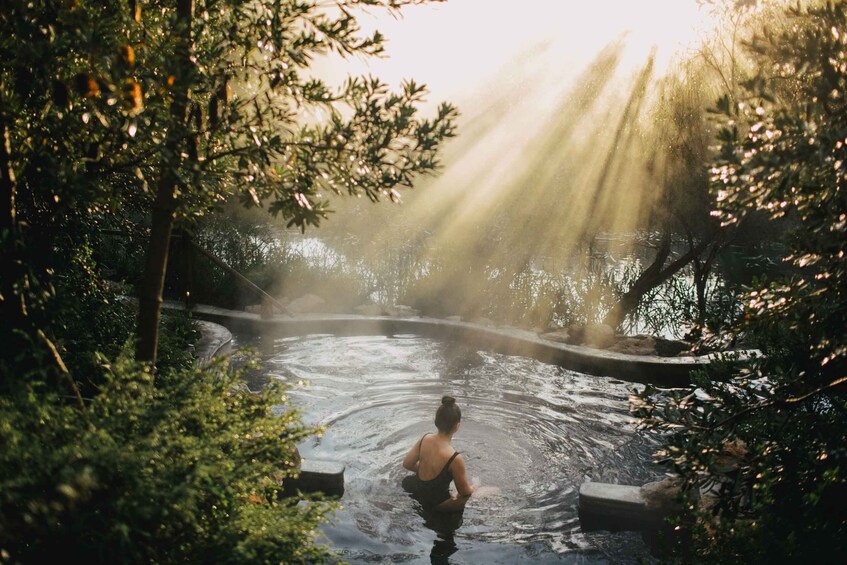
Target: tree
(200,102)
(111,115)
(768,441)
(241,121)
(679,211)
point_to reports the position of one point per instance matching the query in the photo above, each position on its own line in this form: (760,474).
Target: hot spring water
(536,431)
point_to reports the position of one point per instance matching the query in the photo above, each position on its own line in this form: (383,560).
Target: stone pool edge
(215,340)
(315,475)
(661,371)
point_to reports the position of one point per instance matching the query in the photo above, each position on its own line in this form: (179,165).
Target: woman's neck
(447,437)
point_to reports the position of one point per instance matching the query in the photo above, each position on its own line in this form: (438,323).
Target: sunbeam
(556,142)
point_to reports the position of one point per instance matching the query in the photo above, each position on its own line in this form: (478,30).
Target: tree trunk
(7,180)
(702,269)
(701,276)
(164,207)
(150,298)
(653,276)
(10,310)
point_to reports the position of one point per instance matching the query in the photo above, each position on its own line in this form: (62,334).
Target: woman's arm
(412,459)
(465,490)
(460,477)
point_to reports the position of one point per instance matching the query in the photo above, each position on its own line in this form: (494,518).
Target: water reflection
(444,524)
(534,430)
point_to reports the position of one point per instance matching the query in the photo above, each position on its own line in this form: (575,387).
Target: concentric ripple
(536,431)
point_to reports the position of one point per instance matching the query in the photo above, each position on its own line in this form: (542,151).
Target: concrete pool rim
(661,371)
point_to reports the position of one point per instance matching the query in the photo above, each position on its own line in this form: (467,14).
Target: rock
(483,322)
(253,308)
(600,336)
(576,333)
(369,310)
(733,455)
(635,345)
(559,336)
(306,303)
(453,318)
(605,506)
(317,476)
(661,496)
(215,340)
(400,310)
(671,347)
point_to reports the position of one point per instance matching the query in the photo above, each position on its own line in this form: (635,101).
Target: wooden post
(267,309)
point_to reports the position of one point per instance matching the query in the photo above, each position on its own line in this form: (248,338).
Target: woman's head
(448,415)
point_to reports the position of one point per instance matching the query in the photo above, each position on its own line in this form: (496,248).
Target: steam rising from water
(578,119)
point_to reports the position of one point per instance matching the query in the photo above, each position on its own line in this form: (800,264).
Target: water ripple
(536,431)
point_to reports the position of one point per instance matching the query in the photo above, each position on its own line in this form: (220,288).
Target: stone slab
(318,475)
(605,506)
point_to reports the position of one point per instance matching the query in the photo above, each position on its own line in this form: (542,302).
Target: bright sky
(555,99)
(453,46)
(517,72)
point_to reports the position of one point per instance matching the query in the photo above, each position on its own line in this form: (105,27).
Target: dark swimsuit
(434,491)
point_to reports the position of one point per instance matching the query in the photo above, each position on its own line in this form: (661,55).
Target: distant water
(534,430)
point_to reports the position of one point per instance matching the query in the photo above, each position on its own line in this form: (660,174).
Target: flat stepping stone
(605,506)
(318,475)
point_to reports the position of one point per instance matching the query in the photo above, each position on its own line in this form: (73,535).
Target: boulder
(671,347)
(576,332)
(306,304)
(635,345)
(401,310)
(661,496)
(369,310)
(559,336)
(600,336)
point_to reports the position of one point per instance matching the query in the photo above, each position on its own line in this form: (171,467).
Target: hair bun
(448,400)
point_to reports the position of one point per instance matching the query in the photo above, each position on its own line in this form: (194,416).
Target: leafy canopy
(768,441)
(105,105)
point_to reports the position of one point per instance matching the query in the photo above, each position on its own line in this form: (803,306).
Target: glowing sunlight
(556,138)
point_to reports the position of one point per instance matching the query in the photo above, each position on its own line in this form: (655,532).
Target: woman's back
(434,455)
(436,464)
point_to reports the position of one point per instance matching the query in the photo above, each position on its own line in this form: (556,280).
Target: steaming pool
(534,430)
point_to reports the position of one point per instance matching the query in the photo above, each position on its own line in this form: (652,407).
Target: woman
(436,463)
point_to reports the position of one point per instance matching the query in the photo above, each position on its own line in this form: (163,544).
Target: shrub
(181,468)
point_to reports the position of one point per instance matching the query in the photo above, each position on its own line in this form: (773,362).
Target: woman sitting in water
(436,463)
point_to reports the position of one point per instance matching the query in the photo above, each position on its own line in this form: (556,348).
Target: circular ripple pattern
(536,431)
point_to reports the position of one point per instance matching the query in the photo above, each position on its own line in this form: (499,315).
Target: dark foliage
(765,445)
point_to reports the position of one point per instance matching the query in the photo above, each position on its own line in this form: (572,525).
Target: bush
(767,442)
(180,468)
